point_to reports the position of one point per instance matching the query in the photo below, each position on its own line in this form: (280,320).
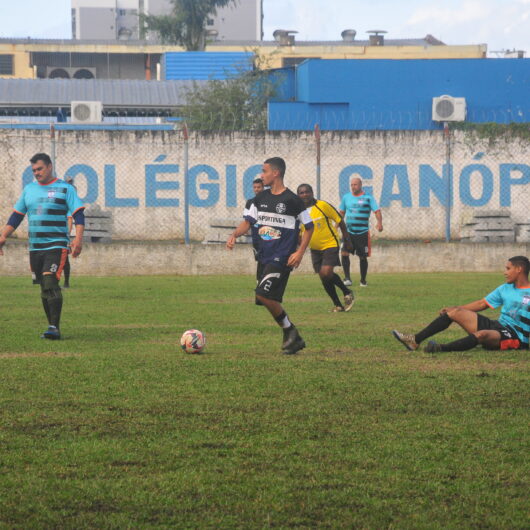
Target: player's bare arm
(476,306)
(77,243)
(346,239)
(379,218)
(296,257)
(241,229)
(6,232)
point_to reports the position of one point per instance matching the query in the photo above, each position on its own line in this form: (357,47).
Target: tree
(185,25)
(237,103)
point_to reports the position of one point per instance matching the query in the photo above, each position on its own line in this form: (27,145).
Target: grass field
(116,427)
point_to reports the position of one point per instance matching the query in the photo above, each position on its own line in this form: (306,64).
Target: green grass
(116,427)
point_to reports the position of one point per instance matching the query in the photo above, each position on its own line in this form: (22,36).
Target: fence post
(449,188)
(317,142)
(186,186)
(52,147)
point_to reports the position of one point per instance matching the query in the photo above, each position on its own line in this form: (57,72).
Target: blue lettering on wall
(507,181)
(152,185)
(110,190)
(466,197)
(355,170)
(212,189)
(396,173)
(431,181)
(92,187)
(248,177)
(231,185)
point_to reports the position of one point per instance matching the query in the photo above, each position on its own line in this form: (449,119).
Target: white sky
(501,24)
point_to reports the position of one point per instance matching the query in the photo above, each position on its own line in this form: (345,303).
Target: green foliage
(185,25)
(495,131)
(115,427)
(237,103)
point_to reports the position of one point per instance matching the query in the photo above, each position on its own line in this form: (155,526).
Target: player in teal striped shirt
(47,202)
(510,332)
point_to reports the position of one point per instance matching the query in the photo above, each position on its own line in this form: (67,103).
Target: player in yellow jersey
(325,246)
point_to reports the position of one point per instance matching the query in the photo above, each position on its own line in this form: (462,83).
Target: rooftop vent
(377,37)
(284,36)
(348,35)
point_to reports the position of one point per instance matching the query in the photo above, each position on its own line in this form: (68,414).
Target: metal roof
(27,93)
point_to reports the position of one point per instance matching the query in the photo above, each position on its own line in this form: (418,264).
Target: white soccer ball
(193,341)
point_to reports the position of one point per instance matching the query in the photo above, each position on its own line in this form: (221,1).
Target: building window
(209,22)
(6,65)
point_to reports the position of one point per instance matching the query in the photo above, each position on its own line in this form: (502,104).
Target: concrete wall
(138,176)
(131,259)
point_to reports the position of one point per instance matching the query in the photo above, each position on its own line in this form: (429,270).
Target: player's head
(305,192)
(515,267)
(257,185)
(41,165)
(273,168)
(356,185)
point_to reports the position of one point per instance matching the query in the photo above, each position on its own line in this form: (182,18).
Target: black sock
(467,343)
(437,325)
(363,266)
(329,287)
(51,293)
(339,283)
(46,309)
(346,266)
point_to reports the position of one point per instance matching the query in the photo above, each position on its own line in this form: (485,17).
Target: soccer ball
(193,341)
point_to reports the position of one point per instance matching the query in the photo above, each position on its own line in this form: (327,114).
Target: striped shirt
(357,210)
(47,207)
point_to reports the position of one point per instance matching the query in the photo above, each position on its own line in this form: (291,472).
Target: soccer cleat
(52,333)
(432,347)
(346,282)
(363,284)
(338,309)
(293,342)
(66,285)
(349,300)
(409,341)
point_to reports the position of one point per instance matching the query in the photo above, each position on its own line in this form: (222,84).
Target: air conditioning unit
(448,108)
(86,111)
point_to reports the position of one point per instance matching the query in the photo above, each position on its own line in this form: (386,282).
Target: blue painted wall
(397,94)
(205,65)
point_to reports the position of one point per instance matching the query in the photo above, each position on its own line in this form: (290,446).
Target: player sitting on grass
(510,332)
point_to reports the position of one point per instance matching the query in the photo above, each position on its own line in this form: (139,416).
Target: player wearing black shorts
(511,331)
(279,213)
(47,202)
(356,207)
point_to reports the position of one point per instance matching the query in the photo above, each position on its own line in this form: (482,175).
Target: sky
(501,24)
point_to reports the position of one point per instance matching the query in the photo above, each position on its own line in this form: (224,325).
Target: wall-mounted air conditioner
(448,108)
(86,111)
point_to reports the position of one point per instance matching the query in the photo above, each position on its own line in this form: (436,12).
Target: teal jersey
(47,206)
(357,210)
(515,311)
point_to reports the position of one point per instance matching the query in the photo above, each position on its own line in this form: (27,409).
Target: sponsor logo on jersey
(280,207)
(51,194)
(276,219)
(526,299)
(268,233)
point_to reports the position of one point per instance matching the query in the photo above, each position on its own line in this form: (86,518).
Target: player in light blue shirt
(510,332)
(48,201)
(355,207)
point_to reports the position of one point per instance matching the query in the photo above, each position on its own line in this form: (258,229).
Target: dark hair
(277,163)
(257,180)
(41,156)
(521,261)
(308,186)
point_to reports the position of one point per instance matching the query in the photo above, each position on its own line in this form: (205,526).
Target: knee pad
(50,287)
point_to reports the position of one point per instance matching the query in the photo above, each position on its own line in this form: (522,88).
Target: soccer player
(279,213)
(47,203)
(357,206)
(325,246)
(510,332)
